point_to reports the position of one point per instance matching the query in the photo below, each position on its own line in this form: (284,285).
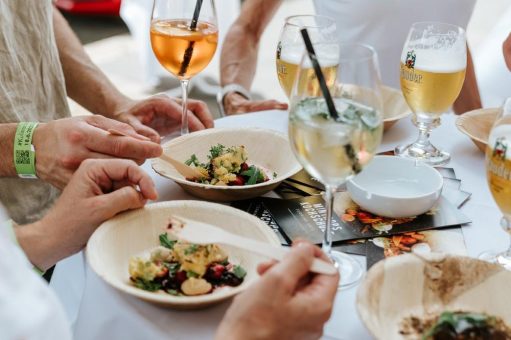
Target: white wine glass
(333,150)
(432,73)
(498,172)
(184,38)
(323,33)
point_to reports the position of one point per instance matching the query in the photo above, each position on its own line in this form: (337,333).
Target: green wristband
(24,152)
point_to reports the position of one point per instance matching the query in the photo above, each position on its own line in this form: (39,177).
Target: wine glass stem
(184,103)
(329,200)
(425,125)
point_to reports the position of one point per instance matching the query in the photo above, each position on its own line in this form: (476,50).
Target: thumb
(125,198)
(295,265)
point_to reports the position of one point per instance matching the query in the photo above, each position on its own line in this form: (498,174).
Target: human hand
(161,115)
(98,190)
(62,145)
(288,302)
(506,47)
(234,103)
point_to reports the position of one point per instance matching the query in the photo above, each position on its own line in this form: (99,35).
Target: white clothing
(384,24)
(29,309)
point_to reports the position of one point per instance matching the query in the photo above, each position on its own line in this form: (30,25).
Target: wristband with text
(24,152)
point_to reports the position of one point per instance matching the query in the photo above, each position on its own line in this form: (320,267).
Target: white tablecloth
(98,311)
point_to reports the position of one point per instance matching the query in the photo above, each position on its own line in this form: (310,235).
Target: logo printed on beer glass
(410,59)
(500,148)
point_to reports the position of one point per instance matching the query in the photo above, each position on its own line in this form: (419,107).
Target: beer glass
(432,73)
(322,31)
(184,37)
(333,150)
(498,172)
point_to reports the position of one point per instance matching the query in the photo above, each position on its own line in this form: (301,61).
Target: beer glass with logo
(184,46)
(432,73)
(322,31)
(335,149)
(498,171)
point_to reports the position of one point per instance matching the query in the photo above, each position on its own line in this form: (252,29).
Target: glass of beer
(432,73)
(333,150)
(498,172)
(184,37)
(322,31)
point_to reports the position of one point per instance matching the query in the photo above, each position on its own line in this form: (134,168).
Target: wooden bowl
(136,232)
(267,148)
(407,285)
(394,107)
(477,125)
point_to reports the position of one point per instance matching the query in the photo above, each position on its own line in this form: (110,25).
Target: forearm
(469,98)
(238,60)
(42,249)
(85,83)
(7,132)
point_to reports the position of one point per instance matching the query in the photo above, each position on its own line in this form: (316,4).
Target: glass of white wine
(290,48)
(334,149)
(432,73)
(498,172)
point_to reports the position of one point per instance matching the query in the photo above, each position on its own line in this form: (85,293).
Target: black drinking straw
(189,50)
(350,152)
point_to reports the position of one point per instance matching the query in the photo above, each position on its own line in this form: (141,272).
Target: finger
(144,130)
(120,170)
(254,106)
(194,123)
(106,124)
(100,141)
(317,250)
(125,198)
(507,51)
(201,111)
(265,266)
(293,267)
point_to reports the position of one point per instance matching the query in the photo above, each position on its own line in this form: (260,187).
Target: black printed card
(306,217)
(257,208)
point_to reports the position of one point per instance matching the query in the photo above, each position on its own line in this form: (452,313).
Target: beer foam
(439,61)
(501,131)
(328,55)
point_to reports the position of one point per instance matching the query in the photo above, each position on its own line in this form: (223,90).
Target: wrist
(38,140)
(40,248)
(24,151)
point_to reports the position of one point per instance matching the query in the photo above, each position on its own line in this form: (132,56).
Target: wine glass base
(431,156)
(350,270)
(501,259)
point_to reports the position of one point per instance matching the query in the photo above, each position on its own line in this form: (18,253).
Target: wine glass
(322,31)
(333,150)
(433,64)
(184,38)
(498,172)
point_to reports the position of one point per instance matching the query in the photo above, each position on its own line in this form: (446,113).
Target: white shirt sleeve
(28,308)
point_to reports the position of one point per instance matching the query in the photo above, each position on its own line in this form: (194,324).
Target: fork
(202,233)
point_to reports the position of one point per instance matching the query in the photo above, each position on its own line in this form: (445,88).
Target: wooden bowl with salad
(135,254)
(235,163)
(436,296)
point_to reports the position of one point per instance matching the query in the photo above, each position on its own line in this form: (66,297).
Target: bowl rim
(294,170)
(432,171)
(402,115)
(167,299)
(471,114)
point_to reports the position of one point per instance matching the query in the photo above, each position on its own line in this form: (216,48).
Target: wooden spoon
(185,170)
(201,233)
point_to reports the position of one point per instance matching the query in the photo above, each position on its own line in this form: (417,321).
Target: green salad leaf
(166,242)
(239,272)
(147,285)
(216,151)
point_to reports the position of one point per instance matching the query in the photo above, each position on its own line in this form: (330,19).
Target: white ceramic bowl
(267,148)
(396,187)
(136,232)
(407,285)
